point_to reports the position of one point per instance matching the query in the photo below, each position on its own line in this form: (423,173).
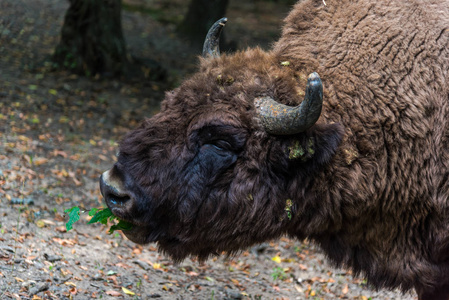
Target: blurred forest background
(118,56)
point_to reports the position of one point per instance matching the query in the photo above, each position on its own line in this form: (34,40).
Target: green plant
(98,216)
(139,283)
(278,273)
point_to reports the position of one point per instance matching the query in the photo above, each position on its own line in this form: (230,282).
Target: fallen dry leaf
(40,224)
(122,265)
(69,283)
(48,222)
(128,292)
(37,161)
(193,273)
(15,296)
(277,259)
(65,272)
(137,250)
(60,153)
(113,293)
(64,242)
(61,229)
(299,289)
(235,281)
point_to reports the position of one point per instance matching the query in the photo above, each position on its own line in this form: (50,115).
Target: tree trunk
(200,17)
(92,39)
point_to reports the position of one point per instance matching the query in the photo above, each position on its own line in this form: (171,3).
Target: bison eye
(221,145)
(220,137)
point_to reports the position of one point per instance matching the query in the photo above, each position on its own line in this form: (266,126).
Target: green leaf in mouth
(98,216)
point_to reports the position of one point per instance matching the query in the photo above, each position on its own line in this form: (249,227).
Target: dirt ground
(59,132)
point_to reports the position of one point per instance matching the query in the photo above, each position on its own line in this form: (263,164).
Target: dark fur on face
(207,163)
(368,182)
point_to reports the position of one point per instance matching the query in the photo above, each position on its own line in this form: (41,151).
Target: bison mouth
(122,205)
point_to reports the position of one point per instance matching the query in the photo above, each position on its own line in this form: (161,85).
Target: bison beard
(364,173)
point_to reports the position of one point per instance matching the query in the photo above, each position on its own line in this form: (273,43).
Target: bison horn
(281,119)
(211,44)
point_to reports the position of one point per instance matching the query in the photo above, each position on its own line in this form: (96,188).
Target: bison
(357,162)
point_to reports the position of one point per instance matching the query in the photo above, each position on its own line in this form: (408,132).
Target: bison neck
(381,205)
(381,199)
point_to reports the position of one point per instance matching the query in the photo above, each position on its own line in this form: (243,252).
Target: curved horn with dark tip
(280,119)
(211,43)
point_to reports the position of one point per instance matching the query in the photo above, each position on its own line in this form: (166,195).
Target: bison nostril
(116,200)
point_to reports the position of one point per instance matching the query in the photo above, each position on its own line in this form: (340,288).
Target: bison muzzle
(338,134)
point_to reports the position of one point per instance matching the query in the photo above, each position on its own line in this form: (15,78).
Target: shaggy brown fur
(369,182)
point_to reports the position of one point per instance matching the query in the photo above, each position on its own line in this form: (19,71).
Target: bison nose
(114,192)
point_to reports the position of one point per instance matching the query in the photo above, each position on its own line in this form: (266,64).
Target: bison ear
(313,148)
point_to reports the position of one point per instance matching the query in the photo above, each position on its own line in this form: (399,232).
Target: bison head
(227,161)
